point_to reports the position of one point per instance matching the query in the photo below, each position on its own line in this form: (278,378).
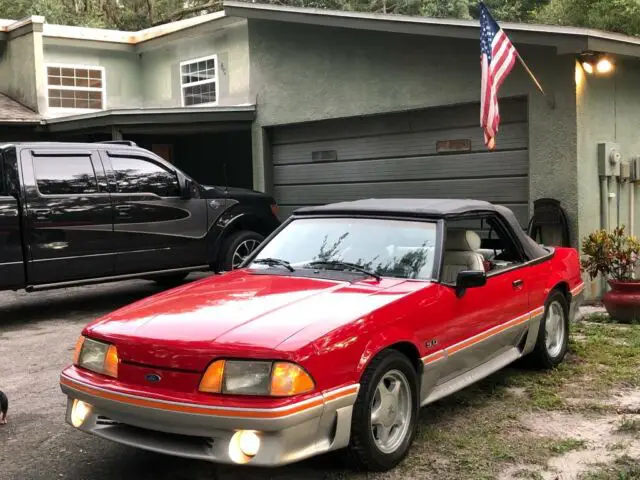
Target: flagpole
(533,77)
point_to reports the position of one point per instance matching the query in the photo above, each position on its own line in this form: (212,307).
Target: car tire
(367,449)
(553,334)
(236,247)
(171,280)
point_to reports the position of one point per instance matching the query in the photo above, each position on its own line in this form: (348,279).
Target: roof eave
(564,39)
(152,116)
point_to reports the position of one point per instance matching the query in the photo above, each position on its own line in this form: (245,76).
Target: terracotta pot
(623,301)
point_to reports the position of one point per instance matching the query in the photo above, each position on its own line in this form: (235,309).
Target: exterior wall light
(598,63)
(604,65)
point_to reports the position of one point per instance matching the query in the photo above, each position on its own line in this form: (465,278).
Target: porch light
(604,65)
(597,63)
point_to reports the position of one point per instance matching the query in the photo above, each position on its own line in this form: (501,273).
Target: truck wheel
(553,334)
(171,280)
(237,247)
(385,415)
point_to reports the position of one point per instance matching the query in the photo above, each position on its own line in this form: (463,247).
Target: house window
(75,87)
(199,80)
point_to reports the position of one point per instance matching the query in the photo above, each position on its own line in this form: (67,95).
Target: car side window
(490,242)
(65,175)
(134,175)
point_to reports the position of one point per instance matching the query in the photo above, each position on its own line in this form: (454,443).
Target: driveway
(37,335)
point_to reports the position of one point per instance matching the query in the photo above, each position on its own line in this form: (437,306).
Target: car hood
(239,314)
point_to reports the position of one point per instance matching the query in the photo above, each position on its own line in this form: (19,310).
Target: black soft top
(431,208)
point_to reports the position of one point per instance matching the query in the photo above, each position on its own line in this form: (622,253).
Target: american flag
(498,57)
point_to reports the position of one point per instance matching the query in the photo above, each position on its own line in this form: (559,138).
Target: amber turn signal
(212,379)
(78,349)
(111,362)
(289,379)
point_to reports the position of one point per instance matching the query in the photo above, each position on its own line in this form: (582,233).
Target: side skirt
(473,375)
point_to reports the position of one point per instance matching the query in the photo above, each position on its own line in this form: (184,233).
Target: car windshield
(392,248)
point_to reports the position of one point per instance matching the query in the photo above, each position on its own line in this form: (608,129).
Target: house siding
(18,69)
(302,73)
(160,66)
(607,111)
(122,72)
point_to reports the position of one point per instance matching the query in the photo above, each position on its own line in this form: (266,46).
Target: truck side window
(134,175)
(65,175)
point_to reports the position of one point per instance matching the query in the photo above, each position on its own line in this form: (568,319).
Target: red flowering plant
(612,254)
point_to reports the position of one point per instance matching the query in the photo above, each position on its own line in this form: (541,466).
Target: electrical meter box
(609,159)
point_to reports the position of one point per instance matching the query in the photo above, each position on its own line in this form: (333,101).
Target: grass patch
(624,468)
(560,447)
(605,318)
(477,433)
(629,425)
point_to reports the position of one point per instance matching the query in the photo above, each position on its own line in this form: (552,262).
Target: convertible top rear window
(386,247)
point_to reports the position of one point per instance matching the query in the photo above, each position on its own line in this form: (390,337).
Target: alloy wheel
(391,411)
(555,330)
(242,251)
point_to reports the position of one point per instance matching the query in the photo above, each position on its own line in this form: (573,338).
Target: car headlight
(97,356)
(245,377)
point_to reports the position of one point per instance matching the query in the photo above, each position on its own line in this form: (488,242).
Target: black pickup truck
(77,213)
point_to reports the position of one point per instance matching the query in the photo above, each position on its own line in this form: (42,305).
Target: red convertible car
(340,326)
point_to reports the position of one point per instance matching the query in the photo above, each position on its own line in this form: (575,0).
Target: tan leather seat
(460,254)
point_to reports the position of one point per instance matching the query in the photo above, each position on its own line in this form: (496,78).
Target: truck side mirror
(469,279)
(187,189)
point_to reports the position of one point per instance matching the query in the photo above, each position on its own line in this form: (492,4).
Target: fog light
(249,443)
(79,413)
(244,445)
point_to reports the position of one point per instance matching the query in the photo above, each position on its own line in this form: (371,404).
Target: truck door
(155,229)
(11,258)
(70,216)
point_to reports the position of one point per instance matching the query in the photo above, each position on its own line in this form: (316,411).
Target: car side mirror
(470,279)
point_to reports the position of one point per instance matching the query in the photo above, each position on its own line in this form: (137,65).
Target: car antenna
(226,180)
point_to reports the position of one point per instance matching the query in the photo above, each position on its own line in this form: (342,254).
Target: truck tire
(236,247)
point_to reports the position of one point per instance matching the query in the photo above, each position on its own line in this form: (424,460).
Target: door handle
(123,210)
(518,283)
(41,213)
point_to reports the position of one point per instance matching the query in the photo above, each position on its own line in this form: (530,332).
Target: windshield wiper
(346,265)
(275,262)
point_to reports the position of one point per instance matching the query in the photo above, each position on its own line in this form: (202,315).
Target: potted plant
(614,255)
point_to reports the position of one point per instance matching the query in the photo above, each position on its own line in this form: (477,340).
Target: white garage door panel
(395,155)
(443,167)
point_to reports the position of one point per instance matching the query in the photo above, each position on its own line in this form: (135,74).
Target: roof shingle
(14,112)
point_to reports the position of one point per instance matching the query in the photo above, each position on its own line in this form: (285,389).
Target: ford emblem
(153,378)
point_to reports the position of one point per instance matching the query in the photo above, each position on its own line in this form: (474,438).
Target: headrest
(462,241)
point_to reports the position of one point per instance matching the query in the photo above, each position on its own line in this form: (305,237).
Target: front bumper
(287,434)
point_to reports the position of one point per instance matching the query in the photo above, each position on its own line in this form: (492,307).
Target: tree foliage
(614,15)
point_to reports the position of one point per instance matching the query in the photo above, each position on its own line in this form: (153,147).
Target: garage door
(435,153)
